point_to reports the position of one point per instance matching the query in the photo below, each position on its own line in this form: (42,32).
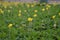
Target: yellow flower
(59,14)
(43,9)
(25,10)
(1,11)
(10,25)
(28,5)
(53,16)
(8,10)
(19,11)
(47,8)
(34,15)
(19,14)
(30,19)
(32,5)
(35,10)
(48,5)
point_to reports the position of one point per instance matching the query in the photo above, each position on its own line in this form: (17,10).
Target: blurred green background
(44,22)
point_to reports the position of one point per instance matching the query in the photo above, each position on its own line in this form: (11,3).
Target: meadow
(29,21)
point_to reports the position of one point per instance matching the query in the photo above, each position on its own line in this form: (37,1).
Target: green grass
(41,28)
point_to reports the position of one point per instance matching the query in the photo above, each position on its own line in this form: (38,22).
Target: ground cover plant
(29,21)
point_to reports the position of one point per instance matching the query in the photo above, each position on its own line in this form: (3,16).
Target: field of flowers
(29,21)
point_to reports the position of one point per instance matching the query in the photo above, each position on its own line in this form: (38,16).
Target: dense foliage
(29,21)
